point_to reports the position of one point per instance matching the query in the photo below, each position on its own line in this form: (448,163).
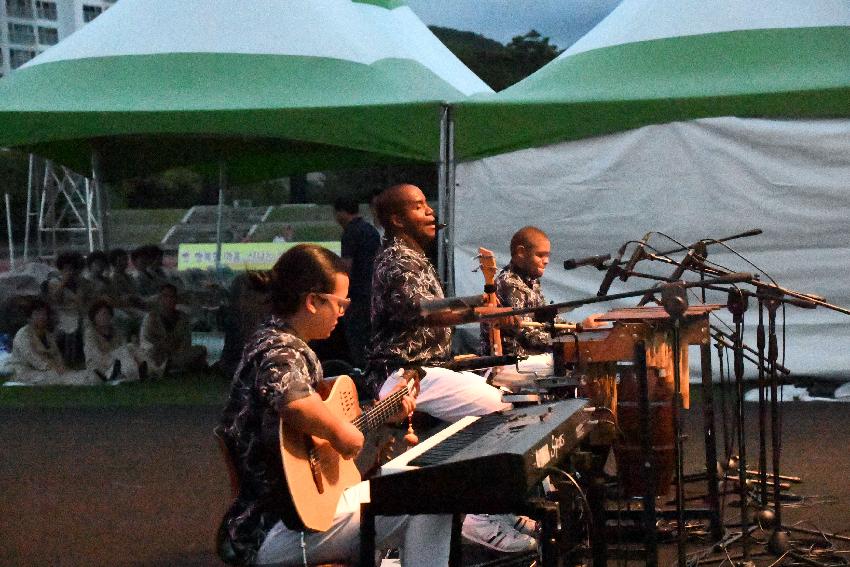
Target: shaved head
(527,236)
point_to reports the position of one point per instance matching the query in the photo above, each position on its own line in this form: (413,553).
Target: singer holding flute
(402,336)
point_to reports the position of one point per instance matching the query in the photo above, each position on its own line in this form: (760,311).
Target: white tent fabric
(645,20)
(334,29)
(707,178)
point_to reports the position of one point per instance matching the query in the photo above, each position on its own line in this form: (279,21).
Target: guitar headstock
(412,377)
(487,262)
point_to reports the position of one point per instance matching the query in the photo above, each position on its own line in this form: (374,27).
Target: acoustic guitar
(316,475)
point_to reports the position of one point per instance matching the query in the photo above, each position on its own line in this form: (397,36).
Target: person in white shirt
(108,354)
(36,358)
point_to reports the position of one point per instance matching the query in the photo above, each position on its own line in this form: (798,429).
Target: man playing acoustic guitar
(274,399)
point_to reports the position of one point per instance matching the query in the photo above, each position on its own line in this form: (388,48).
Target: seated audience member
(129,308)
(145,283)
(108,354)
(286,234)
(35,355)
(97,283)
(66,294)
(166,337)
(160,273)
(122,286)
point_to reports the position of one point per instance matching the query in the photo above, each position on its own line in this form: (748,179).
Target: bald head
(527,236)
(530,249)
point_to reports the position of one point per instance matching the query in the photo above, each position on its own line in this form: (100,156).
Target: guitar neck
(381,413)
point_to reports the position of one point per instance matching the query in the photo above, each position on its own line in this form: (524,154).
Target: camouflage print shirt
(276,368)
(402,278)
(518,291)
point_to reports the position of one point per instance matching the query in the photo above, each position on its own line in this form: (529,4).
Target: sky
(563,21)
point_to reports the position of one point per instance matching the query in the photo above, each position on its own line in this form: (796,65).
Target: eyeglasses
(342,303)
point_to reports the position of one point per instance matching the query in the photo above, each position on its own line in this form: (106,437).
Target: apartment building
(28,27)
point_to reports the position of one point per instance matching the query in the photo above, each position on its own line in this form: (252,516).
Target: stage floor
(147,486)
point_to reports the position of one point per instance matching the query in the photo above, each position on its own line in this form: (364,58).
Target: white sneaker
(495,534)
(522,524)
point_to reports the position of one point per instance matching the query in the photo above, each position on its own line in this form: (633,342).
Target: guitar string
(377,415)
(374,417)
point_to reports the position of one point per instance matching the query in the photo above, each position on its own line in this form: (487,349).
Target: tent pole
(102,211)
(450,203)
(38,240)
(222,185)
(441,194)
(29,204)
(101,220)
(9,228)
(51,207)
(88,186)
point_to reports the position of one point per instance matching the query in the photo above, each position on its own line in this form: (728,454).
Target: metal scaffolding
(64,210)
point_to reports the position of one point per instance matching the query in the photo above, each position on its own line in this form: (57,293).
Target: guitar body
(315,474)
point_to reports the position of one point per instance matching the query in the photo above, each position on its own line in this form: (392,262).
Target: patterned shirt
(404,277)
(520,292)
(276,368)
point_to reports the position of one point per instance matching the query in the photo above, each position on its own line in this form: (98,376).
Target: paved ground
(147,487)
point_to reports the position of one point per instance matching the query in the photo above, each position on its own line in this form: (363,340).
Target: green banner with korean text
(238,256)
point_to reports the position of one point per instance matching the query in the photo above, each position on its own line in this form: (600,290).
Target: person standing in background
(360,243)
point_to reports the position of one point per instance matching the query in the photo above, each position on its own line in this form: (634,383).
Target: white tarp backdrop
(707,178)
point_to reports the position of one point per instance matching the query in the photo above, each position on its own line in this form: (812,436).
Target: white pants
(127,354)
(424,540)
(536,365)
(449,395)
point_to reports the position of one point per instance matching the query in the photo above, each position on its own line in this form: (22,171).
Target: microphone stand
(613,269)
(729,278)
(675,302)
(737,305)
(709,431)
(762,405)
(778,542)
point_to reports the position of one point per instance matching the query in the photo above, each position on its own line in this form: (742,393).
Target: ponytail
(303,269)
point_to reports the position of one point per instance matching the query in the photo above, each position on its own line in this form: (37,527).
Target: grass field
(203,389)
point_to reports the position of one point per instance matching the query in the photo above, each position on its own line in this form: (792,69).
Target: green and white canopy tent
(265,85)
(697,119)
(266,88)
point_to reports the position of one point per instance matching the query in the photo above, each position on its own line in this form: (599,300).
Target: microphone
(596,261)
(674,299)
(751,232)
(613,267)
(637,255)
(451,304)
